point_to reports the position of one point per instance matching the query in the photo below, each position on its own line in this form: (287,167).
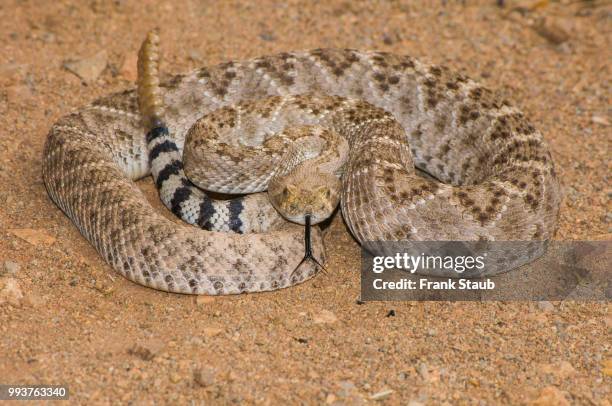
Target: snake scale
(491,176)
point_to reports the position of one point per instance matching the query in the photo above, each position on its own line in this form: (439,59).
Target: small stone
(331,398)
(195,56)
(88,69)
(231,376)
(600,120)
(347,385)
(325,317)
(35,300)
(33,236)
(141,352)
(175,378)
(381,395)
(11,267)
(550,396)
(349,393)
(211,331)
(387,39)
(565,370)
(129,69)
(432,332)
(553,32)
(197,341)
(546,306)
(147,350)
(204,377)
(423,370)
(10,292)
(74,281)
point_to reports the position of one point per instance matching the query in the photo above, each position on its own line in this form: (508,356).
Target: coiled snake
(369,117)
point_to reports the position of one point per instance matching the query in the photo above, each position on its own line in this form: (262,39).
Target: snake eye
(289,190)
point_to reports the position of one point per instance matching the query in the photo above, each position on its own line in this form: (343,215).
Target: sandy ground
(80,324)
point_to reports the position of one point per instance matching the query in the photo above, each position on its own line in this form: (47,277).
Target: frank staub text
(425,284)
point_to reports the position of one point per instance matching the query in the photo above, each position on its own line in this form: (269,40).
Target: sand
(67,318)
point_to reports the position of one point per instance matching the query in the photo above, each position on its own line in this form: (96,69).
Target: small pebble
(88,69)
(195,55)
(423,370)
(600,120)
(10,292)
(387,40)
(546,306)
(142,352)
(346,388)
(211,331)
(204,377)
(382,394)
(325,317)
(553,32)
(11,267)
(33,236)
(196,341)
(565,370)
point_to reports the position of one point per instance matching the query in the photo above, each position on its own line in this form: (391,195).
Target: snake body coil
(494,178)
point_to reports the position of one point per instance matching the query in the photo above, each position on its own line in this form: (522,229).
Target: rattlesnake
(491,175)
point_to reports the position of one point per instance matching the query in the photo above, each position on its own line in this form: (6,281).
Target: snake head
(317,196)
